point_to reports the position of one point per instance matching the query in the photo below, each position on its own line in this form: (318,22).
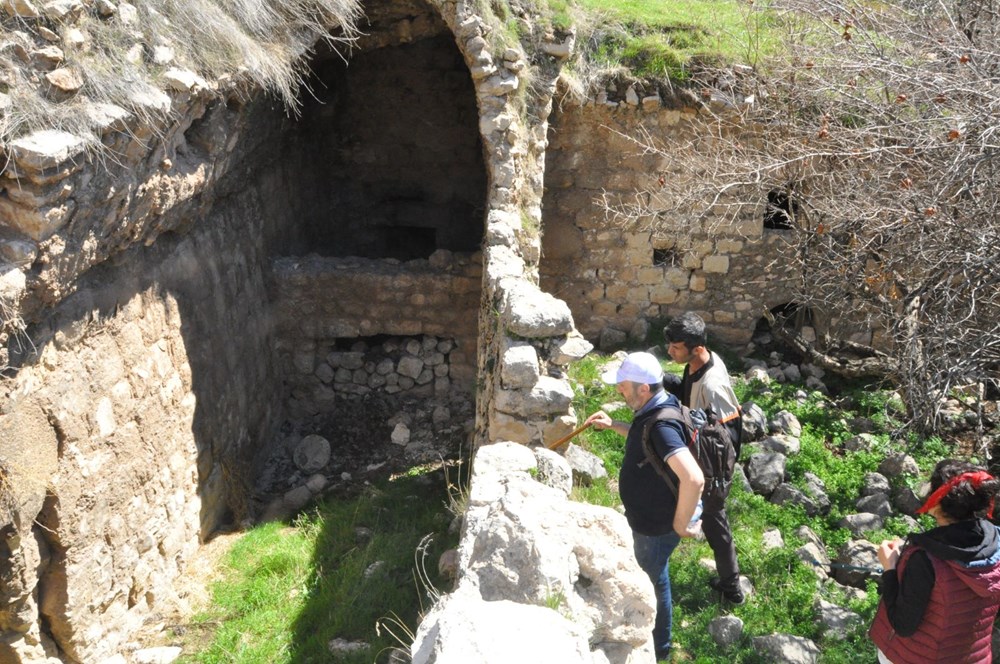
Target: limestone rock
(400,434)
(462,627)
(766,470)
(726,630)
(586,466)
(21,8)
(835,621)
(519,366)
(570,350)
(46,149)
(554,470)
(532,313)
(529,543)
(312,453)
(786,649)
(183,80)
(65,80)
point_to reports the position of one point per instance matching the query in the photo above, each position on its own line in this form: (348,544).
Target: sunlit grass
(287,590)
(662,38)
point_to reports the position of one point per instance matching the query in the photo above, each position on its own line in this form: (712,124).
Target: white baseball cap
(636,367)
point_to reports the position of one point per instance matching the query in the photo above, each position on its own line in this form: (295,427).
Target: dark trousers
(715,525)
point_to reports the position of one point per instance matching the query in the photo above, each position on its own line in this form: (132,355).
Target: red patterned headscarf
(975,479)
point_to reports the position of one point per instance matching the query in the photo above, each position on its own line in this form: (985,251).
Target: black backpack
(709,441)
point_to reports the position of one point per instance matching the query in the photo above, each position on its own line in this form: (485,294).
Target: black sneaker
(733,596)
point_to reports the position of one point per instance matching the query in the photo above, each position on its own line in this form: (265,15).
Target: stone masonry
(728,273)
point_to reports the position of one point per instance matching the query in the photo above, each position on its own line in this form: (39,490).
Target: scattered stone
(21,8)
(448,564)
(786,649)
(105,8)
(295,499)
(815,558)
(772,539)
(65,80)
(586,466)
(159,655)
(835,622)
(554,470)
(312,453)
(183,80)
(877,503)
(782,444)
(759,374)
(400,434)
(788,494)
(786,423)
(163,55)
(861,523)
(342,647)
(874,483)
(861,558)
(47,58)
(906,500)
(816,490)
(316,483)
(62,10)
(897,464)
(754,422)
(766,470)
(726,630)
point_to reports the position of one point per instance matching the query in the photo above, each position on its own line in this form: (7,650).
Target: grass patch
(664,38)
(287,590)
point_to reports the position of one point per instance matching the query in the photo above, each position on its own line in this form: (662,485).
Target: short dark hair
(688,328)
(655,387)
(964,501)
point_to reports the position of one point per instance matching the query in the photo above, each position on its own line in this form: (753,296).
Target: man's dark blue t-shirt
(649,502)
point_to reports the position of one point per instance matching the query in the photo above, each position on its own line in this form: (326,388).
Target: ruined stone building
(221,277)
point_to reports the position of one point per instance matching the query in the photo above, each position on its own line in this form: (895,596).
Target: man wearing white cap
(657,517)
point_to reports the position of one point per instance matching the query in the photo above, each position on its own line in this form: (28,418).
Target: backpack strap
(659,465)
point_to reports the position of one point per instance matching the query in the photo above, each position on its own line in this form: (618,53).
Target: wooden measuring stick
(565,439)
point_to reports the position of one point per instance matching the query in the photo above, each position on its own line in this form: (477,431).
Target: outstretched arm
(601,420)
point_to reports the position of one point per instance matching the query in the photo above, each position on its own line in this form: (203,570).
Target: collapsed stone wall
(614,277)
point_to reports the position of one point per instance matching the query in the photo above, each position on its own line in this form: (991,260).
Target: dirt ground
(172,625)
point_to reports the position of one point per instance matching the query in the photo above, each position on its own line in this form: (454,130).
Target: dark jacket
(939,604)
(649,503)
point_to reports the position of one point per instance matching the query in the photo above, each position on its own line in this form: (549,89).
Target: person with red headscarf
(941,588)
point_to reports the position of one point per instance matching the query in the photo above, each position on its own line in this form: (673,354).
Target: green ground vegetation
(786,589)
(359,569)
(666,38)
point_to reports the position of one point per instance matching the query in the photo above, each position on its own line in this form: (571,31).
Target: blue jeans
(653,556)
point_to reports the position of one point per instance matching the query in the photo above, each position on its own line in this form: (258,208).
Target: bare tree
(873,137)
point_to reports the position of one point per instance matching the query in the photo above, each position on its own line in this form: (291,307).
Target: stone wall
(728,272)
(146,392)
(151,384)
(326,306)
